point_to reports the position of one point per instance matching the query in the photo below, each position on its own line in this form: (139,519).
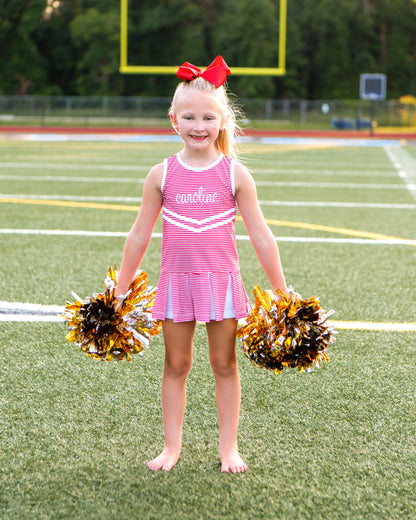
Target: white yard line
(323,204)
(132,167)
(319,173)
(17,311)
(30,317)
(71,178)
(74,198)
(288,203)
(31,312)
(135,180)
(78,166)
(378,326)
(405,166)
(121,234)
(332,185)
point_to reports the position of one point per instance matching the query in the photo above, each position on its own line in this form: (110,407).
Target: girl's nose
(198,124)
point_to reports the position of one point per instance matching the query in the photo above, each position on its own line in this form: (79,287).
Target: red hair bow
(216,73)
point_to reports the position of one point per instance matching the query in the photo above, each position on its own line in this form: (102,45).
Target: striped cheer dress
(199,264)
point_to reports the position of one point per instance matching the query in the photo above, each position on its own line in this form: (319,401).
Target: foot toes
(164,462)
(233,466)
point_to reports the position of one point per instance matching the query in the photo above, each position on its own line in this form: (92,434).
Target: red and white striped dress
(199,255)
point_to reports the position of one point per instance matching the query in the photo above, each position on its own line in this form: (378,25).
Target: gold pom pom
(286,332)
(108,328)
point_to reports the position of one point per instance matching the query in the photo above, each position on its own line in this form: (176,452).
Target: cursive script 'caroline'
(197,196)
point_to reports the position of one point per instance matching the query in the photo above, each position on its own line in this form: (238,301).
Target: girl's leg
(178,339)
(223,359)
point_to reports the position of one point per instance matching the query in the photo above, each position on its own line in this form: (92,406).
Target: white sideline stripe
(333,185)
(64,232)
(22,312)
(53,178)
(78,166)
(16,311)
(318,173)
(371,325)
(130,167)
(281,184)
(30,317)
(306,204)
(74,198)
(30,307)
(122,234)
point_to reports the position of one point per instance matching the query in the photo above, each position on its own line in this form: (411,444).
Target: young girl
(198,190)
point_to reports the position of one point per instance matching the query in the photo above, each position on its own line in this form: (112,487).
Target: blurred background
(60,59)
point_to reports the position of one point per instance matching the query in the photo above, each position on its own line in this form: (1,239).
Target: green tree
(247,36)
(53,39)
(23,66)
(95,37)
(394,23)
(72,46)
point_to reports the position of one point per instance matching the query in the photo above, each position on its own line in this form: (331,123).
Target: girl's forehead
(196,99)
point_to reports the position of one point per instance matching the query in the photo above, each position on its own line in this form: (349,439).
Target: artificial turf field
(336,443)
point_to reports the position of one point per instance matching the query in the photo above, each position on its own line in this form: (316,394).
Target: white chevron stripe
(196,221)
(198,230)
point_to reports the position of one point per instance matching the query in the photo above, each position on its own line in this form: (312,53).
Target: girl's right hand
(119,301)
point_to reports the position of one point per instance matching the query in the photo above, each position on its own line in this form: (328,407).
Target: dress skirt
(200,296)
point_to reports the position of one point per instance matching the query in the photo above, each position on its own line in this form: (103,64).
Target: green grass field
(336,443)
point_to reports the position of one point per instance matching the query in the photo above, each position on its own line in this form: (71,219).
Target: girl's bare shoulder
(242,175)
(155,175)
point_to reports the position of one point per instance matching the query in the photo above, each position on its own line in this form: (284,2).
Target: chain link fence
(132,111)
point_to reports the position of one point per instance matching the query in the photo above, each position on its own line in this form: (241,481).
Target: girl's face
(198,120)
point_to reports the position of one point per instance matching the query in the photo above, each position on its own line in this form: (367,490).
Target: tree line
(71,47)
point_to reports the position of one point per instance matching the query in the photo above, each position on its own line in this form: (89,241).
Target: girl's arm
(259,232)
(141,232)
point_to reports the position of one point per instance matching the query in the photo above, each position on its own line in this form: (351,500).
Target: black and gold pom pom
(112,329)
(286,332)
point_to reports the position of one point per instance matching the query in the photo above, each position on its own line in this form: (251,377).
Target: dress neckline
(196,169)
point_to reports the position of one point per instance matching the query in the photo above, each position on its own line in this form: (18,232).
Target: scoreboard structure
(373,87)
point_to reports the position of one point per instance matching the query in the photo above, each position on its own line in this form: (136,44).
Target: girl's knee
(178,368)
(224,366)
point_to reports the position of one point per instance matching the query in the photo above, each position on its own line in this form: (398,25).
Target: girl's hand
(119,302)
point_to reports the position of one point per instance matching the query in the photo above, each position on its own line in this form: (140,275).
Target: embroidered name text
(197,196)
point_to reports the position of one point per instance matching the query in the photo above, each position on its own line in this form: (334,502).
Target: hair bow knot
(216,73)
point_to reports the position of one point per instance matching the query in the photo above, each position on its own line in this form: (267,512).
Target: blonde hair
(225,142)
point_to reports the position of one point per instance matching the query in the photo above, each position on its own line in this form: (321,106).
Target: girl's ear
(174,123)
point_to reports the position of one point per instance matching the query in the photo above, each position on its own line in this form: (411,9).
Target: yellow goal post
(125,68)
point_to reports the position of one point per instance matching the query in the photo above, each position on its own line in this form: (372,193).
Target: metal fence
(133,110)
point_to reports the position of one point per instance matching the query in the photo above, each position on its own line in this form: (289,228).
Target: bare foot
(165,461)
(233,463)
